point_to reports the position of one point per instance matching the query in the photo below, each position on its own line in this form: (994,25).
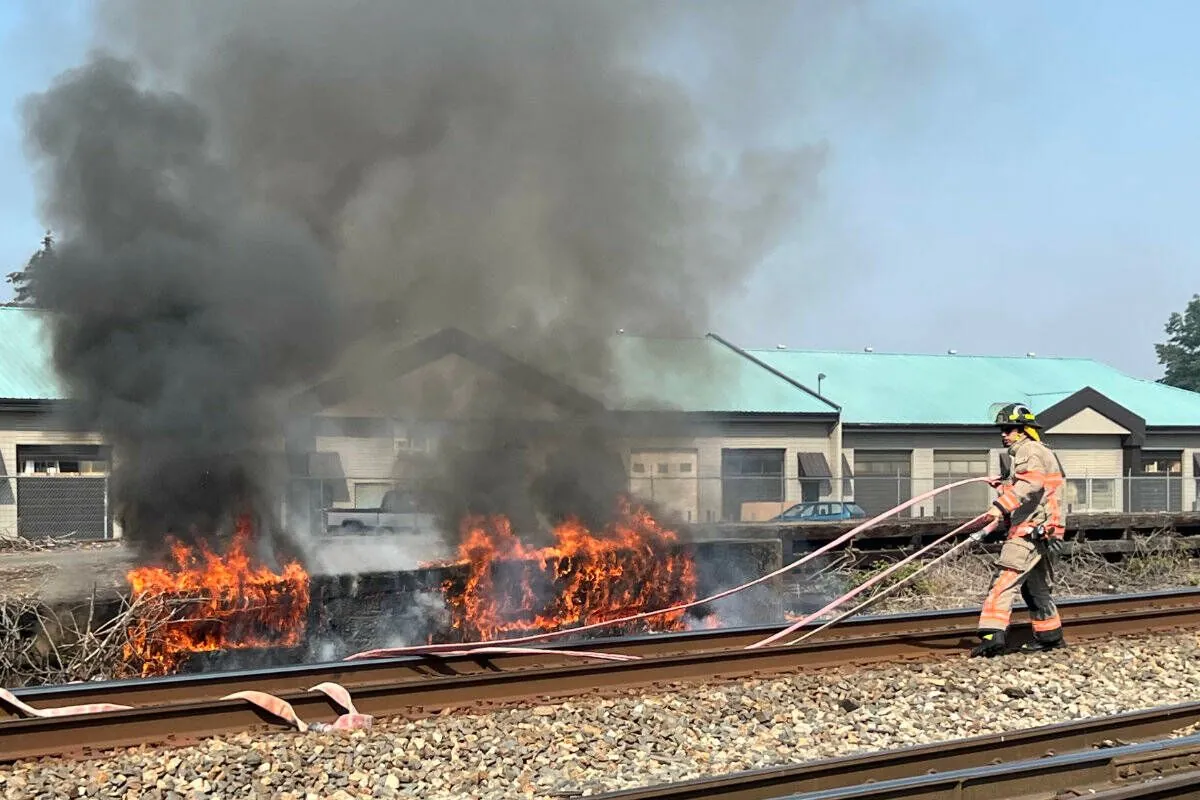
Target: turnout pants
(1027,566)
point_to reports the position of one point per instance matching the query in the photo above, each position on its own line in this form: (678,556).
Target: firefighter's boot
(991,644)
(1041,645)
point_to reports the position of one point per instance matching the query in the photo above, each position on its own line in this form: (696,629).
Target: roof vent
(951,352)
(868,349)
(781,347)
(620,331)
(1031,355)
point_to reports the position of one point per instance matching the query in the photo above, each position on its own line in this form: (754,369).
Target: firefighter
(1029,508)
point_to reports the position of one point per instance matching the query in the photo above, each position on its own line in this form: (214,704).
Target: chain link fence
(76,507)
(65,507)
(352,505)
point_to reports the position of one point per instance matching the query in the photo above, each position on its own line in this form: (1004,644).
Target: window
(663,469)
(370,495)
(1104,494)
(685,467)
(639,467)
(1075,493)
(63,467)
(968,464)
(1170,463)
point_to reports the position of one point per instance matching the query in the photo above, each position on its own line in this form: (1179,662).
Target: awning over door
(814,465)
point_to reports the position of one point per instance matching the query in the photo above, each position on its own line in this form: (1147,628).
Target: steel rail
(1131,765)
(921,638)
(1184,786)
(909,762)
(352,674)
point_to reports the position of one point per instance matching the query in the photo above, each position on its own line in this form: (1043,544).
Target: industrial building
(714,432)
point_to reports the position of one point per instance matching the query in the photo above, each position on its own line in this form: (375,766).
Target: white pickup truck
(398,513)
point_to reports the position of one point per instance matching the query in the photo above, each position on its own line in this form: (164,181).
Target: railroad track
(978,766)
(1166,768)
(180,709)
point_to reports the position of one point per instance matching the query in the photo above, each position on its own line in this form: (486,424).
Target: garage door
(668,479)
(952,466)
(882,480)
(62,492)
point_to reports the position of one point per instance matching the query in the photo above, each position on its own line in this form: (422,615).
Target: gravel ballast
(595,744)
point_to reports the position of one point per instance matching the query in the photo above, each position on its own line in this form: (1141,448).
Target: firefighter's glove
(1055,546)
(998,534)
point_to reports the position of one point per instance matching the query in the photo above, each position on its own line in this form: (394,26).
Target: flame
(631,566)
(213,602)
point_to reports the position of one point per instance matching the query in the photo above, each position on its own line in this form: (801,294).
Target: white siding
(367,459)
(1088,421)
(1090,463)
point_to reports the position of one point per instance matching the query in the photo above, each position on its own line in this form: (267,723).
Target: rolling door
(882,480)
(62,492)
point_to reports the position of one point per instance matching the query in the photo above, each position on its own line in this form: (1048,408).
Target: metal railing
(717,499)
(78,506)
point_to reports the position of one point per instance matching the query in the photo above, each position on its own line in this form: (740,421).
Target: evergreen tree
(22,281)
(1181,353)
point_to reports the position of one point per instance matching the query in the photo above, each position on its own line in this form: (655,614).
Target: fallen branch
(41,644)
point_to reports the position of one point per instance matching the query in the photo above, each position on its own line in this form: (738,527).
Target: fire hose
(435,649)
(352,719)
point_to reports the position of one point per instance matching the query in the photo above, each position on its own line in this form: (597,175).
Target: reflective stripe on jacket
(1033,492)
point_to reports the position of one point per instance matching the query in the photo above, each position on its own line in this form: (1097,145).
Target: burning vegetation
(632,565)
(497,586)
(215,602)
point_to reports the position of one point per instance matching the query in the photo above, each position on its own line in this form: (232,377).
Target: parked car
(397,513)
(821,511)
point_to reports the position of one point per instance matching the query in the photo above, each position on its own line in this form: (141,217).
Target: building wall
(1095,458)
(28,428)
(923,445)
(705,448)
(1092,464)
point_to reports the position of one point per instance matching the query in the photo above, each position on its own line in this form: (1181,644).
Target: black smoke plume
(518,169)
(178,306)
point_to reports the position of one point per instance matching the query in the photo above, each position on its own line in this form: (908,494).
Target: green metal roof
(700,375)
(902,389)
(26,364)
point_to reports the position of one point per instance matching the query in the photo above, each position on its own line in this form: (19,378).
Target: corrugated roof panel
(902,389)
(700,375)
(26,362)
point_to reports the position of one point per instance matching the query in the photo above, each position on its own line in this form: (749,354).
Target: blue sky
(1025,180)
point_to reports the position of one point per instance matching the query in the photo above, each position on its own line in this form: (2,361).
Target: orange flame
(631,566)
(222,602)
